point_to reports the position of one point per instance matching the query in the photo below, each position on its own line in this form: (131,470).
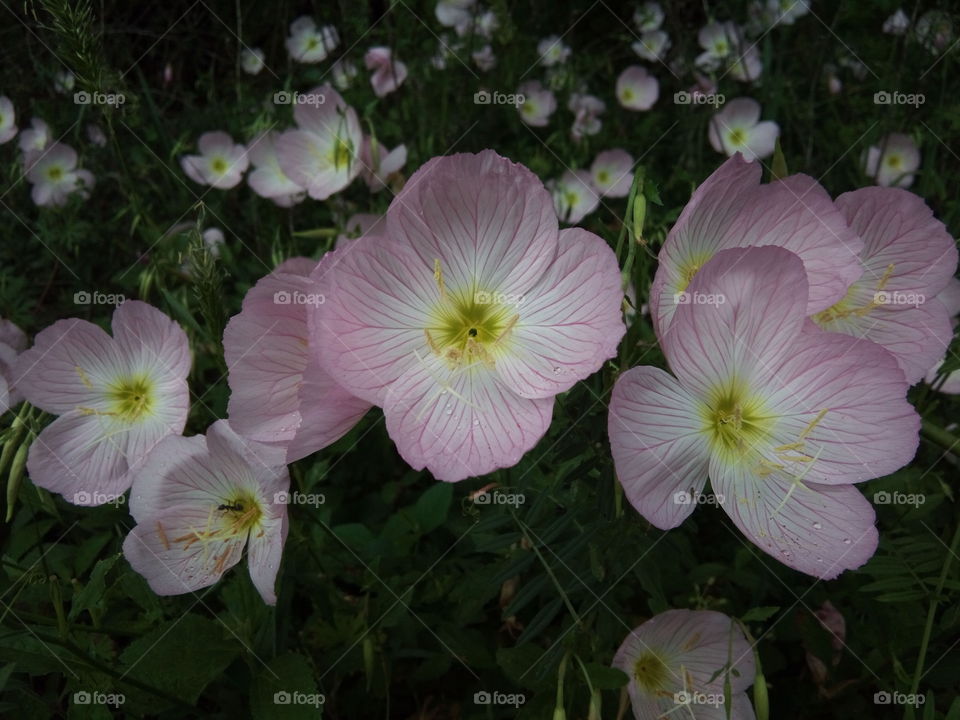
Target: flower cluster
(793,325)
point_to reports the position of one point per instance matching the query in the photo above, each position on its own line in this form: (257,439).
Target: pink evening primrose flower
(199,502)
(737,128)
(552,51)
(908,258)
(55,176)
(612,173)
(950,298)
(472,312)
(574,196)
(484,58)
(637,89)
(648,17)
(539,103)
(344,72)
(251,60)
(652,45)
(13,341)
(679,663)
(379,165)
(8,120)
(267,178)
(455,13)
(117,397)
(36,137)
(787,12)
(586,110)
(309,44)
(279,394)
(897,24)
(322,153)
(893,162)
(732,209)
(781,415)
(388,72)
(220,164)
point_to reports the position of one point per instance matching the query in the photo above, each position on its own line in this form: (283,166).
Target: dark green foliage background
(392,598)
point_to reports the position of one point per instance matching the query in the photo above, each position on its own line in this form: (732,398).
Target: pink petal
(659,450)
(489,221)
(569,323)
(820,530)
(461,423)
(758,298)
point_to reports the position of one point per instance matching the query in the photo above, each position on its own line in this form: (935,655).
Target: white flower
(893,161)
(586,111)
(652,45)
(897,24)
(55,176)
(785,12)
(95,135)
(36,137)
(552,51)
(454,13)
(737,128)
(539,104)
(611,173)
(220,164)
(747,67)
(484,58)
(8,120)
(251,60)
(343,73)
(637,89)
(267,178)
(719,41)
(309,44)
(648,17)
(574,196)
(64,82)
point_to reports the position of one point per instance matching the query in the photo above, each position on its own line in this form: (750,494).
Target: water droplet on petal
(846,541)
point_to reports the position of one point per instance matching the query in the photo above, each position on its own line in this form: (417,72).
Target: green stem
(938,435)
(931,613)
(553,577)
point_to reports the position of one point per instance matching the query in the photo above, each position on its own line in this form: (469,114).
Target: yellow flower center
(341,155)
(219,165)
(55,173)
(603,177)
(846,307)
(737,137)
(626,95)
(735,421)
(469,327)
(650,672)
(131,398)
(894,161)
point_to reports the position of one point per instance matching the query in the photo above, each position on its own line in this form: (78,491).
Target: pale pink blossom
(552,51)
(648,17)
(897,24)
(322,154)
(279,394)
(267,178)
(54,175)
(782,416)
(637,89)
(220,164)
(652,45)
(251,60)
(539,103)
(13,341)
(736,127)
(893,161)
(574,196)
(388,72)
(682,662)
(117,397)
(484,58)
(379,165)
(471,313)
(309,44)
(199,502)
(36,137)
(586,110)
(612,173)
(8,120)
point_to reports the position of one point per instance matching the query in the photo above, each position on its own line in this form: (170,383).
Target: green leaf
(604,677)
(432,507)
(91,596)
(759,614)
(285,690)
(180,657)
